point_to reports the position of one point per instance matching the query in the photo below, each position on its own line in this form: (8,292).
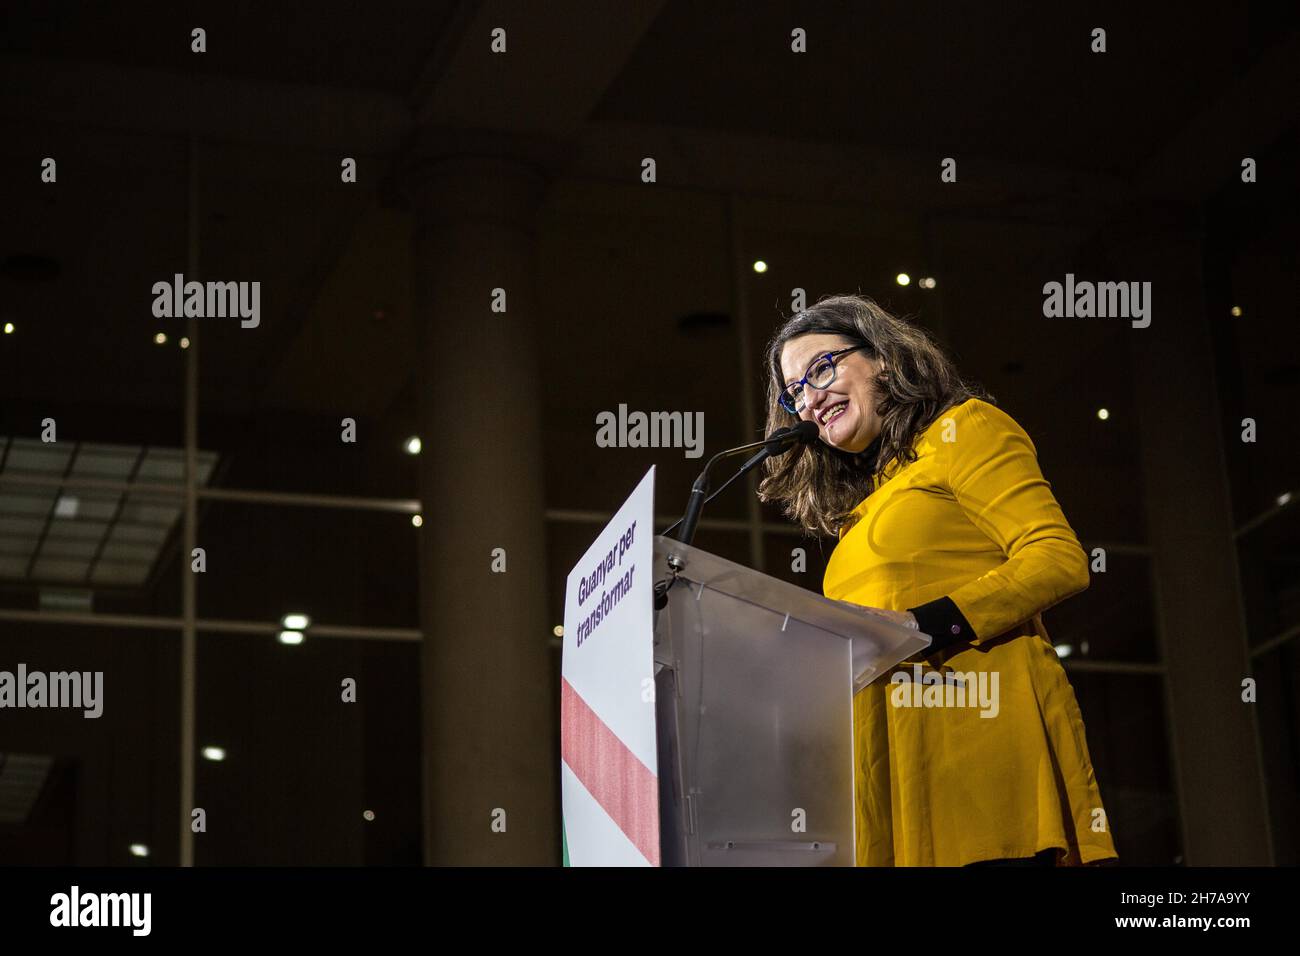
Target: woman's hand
(905,618)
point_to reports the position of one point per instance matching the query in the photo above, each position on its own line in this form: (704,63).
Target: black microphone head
(806,432)
(783,439)
(778,441)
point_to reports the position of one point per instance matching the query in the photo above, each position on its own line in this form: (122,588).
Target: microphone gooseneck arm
(778,443)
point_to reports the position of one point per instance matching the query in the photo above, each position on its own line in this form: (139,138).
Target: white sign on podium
(608,759)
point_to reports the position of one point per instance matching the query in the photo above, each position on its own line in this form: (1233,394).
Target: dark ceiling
(1000,82)
(833,157)
(349,44)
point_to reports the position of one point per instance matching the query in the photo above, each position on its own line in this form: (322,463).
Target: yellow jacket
(970,538)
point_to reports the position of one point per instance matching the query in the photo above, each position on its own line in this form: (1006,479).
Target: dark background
(824,165)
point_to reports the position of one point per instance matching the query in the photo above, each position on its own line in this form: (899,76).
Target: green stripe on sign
(564,841)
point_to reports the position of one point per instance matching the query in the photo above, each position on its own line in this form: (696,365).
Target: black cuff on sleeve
(944,622)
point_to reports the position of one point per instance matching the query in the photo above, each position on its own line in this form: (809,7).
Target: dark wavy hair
(818,486)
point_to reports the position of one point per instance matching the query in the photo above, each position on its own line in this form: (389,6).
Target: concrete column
(488,723)
(1216,757)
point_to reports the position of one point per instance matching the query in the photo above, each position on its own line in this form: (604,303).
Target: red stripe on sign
(622,785)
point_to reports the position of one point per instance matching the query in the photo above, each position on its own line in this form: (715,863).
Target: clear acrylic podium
(754,684)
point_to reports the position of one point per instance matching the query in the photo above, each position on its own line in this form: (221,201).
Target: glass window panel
(93,505)
(104,464)
(27,503)
(135,553)
(69,548)
(75,529)
(1128,744)
(11,527)
(338,566)
(141,510)
(37,457)
(121,574)
(139,533)
(60,569)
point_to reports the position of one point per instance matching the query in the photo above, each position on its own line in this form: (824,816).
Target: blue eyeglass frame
(803,382)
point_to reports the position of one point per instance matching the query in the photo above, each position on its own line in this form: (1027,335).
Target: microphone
(777,443)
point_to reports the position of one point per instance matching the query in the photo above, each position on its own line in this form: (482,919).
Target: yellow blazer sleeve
(992,471)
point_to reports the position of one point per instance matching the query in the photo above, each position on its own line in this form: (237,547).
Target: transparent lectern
(754,685)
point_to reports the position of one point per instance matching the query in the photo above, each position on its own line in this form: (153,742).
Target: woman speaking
(945,524)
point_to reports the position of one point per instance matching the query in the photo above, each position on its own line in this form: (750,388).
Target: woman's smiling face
(855,425)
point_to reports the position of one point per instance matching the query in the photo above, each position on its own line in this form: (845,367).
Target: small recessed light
(295,622)
(185,342)
(927,283)
(9,328)
(368,815)
(1064,650)
(160,338)
(760,266)
(291,637)
(139,849)
(417,520)
(1284,498)
(558,630)
(413,445)
(1236,310)
(214,753)
(1103,413)
(903,278)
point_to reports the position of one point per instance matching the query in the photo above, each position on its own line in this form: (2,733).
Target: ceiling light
(902,278)
(295,621)
(291,637)
(214,753)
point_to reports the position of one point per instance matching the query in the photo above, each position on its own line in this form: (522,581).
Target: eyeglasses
(820,374)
